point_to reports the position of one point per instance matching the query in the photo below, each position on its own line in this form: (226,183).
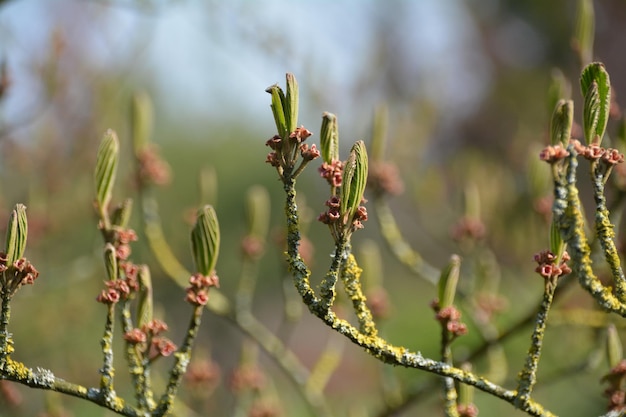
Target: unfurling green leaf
(258,211)
(144,305)
(329,138)
(561,124)
(614,349)
(121,214)
(17,233)
(106,166)
(110,261)
(278,109)
(291,103)
(379,133)
(448,281)
(596,89)
(205,240)
(141,121)
(354,181)
(560,89)
(557,244)
(585,28)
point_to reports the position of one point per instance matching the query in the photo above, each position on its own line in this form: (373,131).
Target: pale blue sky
(207,57)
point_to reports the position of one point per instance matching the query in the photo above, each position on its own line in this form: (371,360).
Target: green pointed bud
(354,181)
(379,133)
(208,185)
(291,103)
(561,124)
(614,349)
(17,233)
(559,89)
(110,261)
(106,166)
(448,281)
(258,211)
(596,89)
(329,138)
(141,119)
(585,28)
(144,304)
(121,214)
(557,244)
(278,109)
(205,240)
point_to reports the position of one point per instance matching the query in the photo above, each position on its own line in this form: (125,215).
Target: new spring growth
(285,108)
(106,167)
(14,268)
(205,240)
(353,183)
(17,233)
(329,138)
(561,123)
(448,281)
(596,90)
(614,349)
(446,313)
(144,303)
(258,216)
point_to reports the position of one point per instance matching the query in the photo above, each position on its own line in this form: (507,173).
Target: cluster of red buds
(468,227)
(384,178)
(553,153)
(202,374)
(332,172)
(148,339)
(21,272)
(450,319)
(123,288)
(467,410)
(262,408)
(198,289)
(592,152)
(547,267)
(122,240)
(247,377)
(595,152)
(615,392)
(276,158)
(333,215)
(252,246)
(153,170)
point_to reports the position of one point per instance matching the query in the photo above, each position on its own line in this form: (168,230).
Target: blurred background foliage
(466,86)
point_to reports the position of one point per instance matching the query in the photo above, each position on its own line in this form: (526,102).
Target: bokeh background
(466,88)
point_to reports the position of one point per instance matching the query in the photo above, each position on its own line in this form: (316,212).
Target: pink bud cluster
(332,172)
(546,264)
(592,152)
(152,168)
(616,394)
(276,157)
(123,288)
(21,272)
(148,339)
(450,318)
(332,216)
(198,289)
(595,152)
(384,178)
